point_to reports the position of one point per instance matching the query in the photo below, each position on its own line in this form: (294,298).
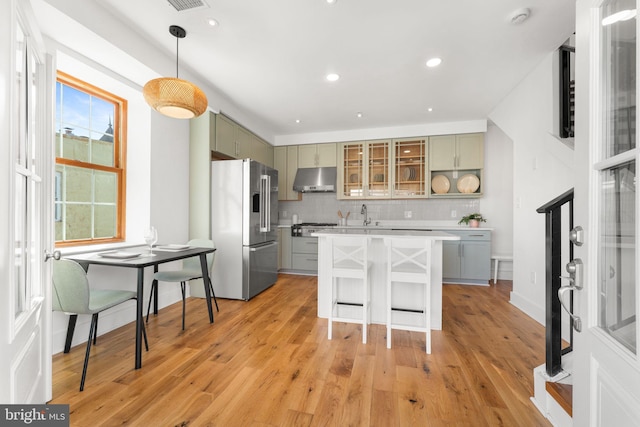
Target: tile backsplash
(323,207)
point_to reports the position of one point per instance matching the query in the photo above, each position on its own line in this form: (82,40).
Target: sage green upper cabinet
(317,155)
(245,144)
(238,142)
(456,164)
(226,136)
(455,152)
(285,161)
(265,152)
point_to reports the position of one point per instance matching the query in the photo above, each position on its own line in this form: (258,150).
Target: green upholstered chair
(191,270)
(72,295)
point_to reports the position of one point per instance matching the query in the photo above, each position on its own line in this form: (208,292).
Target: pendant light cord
(177,56)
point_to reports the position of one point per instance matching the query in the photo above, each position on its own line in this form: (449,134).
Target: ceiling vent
(181,5)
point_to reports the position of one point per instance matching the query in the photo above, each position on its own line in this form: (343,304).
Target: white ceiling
(271,57)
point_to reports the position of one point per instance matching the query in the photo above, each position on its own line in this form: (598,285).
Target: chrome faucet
(363,211)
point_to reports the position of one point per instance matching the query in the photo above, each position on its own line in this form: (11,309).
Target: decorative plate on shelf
(379,177)
(409,173)
(468,183)
(440,184)
(353,177)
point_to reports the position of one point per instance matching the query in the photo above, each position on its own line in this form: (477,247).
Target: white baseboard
(530,308)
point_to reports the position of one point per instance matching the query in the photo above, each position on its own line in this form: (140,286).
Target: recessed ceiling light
(623,15)
(429,109)
(434,62)
(332,77)
(212,22)
(359,114)
(297,120)
(332,1)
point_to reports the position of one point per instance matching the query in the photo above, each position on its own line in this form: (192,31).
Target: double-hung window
(90,174)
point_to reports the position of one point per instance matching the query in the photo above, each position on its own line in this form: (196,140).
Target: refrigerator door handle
(265,198)
(258,248)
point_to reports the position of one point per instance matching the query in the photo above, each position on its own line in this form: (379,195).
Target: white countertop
(379,232)
(398,225)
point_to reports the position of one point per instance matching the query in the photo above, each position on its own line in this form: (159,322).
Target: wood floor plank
(268,362)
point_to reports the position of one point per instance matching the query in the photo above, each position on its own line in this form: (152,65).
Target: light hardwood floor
(267,362)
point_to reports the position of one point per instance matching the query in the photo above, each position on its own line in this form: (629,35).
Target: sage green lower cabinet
(468,260)
(304,254)
(284,249)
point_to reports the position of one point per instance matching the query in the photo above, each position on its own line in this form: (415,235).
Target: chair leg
(389,312)
(95,332)
(153,289)
(330,318)
(144,334)
(427,311)
(183,289)
(213,294)
(365,308)
(71,327)
(92,332)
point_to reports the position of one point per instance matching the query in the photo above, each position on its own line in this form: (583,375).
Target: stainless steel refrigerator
(244,221)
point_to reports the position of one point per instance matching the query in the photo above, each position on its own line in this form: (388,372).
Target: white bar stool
(349,261)
(409,262)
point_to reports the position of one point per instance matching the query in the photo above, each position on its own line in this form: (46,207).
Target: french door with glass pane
(25,306)
(606,366)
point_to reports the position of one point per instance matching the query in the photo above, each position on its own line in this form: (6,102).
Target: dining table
(140,257)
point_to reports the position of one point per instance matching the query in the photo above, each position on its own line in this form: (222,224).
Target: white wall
(497,203)
(542,170)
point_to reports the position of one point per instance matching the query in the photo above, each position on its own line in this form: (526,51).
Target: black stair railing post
(553,271)
(553,308)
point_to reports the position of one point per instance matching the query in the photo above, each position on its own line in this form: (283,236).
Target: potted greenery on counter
(472,220)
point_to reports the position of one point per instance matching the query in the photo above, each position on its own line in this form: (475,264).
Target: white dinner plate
(440,184)
(119,255)
(468,183)
(173,247)
(407,174)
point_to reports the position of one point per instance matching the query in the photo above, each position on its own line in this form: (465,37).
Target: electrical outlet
(454,214)
(532,278)
(407,214)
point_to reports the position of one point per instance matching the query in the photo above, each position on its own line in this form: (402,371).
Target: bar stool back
(409,262)
(349,261)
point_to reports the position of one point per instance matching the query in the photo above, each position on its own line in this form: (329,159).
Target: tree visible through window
(90,163)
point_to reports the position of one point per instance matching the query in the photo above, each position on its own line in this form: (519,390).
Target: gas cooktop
(306,228)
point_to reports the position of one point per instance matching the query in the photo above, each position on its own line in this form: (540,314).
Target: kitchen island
(377,256)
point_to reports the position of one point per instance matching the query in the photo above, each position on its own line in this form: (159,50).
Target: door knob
(577,322)
(576,235)
(575,268)
(48,255)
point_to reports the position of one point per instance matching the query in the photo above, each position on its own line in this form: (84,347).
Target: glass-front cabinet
(365,170)
(413,167)
(409,168)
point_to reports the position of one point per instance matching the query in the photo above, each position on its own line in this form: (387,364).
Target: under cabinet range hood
(315,180)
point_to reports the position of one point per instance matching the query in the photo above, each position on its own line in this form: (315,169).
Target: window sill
(76,250)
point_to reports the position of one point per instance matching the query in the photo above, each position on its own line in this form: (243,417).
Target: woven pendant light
(175,97)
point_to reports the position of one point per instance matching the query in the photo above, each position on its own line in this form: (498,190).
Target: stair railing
(554,230)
